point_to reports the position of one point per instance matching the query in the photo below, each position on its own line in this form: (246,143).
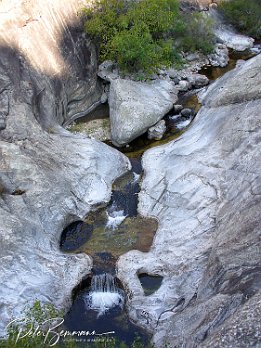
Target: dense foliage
(146,34)
(243,15)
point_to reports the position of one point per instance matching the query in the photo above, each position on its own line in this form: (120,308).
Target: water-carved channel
(107,233)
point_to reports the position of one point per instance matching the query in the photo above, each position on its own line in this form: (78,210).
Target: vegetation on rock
(147,34)
(243,15)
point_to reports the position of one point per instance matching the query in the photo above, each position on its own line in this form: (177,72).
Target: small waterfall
(183,124)
(179,122)
(115,217)
(136,178)
(104,294)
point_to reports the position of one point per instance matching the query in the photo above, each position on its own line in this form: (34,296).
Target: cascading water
(115,218)
(104,294)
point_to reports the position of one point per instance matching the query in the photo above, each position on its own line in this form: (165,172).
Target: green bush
(197,33)
(243,15)
(146,34)
(33,316)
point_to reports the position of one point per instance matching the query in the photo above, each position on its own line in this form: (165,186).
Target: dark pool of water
(79,318)
(150,283)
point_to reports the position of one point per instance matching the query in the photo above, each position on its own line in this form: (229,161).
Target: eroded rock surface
(61,63)
(205,191)
(136,106)
(48,177)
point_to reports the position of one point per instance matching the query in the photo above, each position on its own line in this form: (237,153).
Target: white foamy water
(104,301)
(104,294)
(115,218)
(183,124)
(136,178)
(174,117)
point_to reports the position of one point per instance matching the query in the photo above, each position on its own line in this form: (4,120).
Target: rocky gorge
(203,188)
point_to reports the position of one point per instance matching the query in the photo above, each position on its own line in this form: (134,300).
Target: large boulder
(136,106)
(204,189)
(234,40)
(48,176)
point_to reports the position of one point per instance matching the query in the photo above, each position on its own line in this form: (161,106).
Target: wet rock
(184,85)
(136,106)
(157,131)
(205,191)
(177,108)
(187,112)
(240,62)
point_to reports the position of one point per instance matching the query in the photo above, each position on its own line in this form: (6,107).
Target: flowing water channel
(107,233)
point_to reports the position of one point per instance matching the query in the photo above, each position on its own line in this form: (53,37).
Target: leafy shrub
(243,15)
(33,316)
(146,34)
(197,33)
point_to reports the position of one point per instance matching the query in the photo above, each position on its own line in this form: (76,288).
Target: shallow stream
(107,233)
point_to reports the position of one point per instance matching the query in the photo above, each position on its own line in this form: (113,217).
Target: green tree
(144,35)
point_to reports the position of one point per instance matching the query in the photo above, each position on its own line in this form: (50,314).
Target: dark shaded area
(74,235)
(100,112)
(51,100)
(18,192)
(150,283)
(126,200)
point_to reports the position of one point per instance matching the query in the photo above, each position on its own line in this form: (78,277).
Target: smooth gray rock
(238,86)
(198,80)
(136,106)
(204,188)
(177,108)
(186,112)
